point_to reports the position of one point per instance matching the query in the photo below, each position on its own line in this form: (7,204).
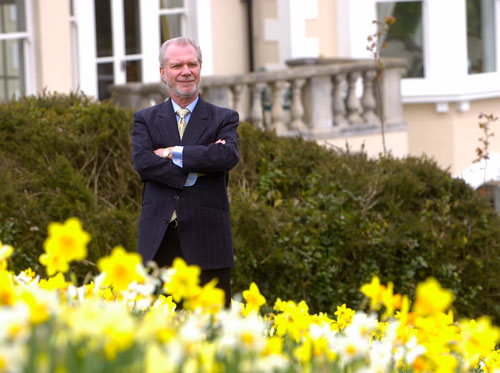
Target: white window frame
(446,77)
(182,11)
(150,12)
(87,49)
(28,49)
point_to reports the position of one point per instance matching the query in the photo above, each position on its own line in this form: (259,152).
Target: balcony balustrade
(313,98)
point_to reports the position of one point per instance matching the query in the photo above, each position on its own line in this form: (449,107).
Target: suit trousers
(170,248)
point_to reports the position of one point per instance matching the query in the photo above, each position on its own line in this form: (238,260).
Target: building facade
(452,49)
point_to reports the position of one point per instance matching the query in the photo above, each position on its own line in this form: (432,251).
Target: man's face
(181,71)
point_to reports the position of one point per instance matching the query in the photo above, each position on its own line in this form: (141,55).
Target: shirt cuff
(177,155)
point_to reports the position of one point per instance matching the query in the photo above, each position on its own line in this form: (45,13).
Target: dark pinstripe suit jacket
(202,209)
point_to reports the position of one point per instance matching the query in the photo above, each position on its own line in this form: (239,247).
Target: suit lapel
(166,124)
(197,125)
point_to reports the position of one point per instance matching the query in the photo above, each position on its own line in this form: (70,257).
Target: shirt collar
(190,107)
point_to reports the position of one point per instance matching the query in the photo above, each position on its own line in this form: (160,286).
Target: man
(183,158)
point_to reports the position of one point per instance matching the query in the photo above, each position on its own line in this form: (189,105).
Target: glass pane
(481,36)
(405,37)
(132,27)
(105,77)
(12,17)
(134,71)
(170,26)
(103,31)
(165,4)
(12,83)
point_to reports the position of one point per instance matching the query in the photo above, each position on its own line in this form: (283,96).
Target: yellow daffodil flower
(65,243)
(184,281)
(5,252)
(431,298)
(254,299)
(121,268)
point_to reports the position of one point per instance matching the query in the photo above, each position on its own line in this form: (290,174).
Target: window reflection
(170,26)
(132,27)
(103,30)
(405,36)
(12,16)
(134,71)
(12,69)
(481,36)
(171,4)
(105,77)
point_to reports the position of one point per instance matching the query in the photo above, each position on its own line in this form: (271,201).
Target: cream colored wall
(449,138)
(229,37)
(429,133)
(324,28)
(265,52)
(396,143)
(53,45)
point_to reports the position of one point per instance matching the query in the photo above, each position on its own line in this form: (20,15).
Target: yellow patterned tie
(182,123)
(182,127)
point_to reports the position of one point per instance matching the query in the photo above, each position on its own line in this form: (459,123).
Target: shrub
(308,222)
(314,223)
(63,156)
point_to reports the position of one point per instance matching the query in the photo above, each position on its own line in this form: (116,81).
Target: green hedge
(316,224)
(308,222)
(63,156)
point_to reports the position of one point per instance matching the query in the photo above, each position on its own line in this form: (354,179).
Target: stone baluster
(256,109)
(339,110)
(353,104)
(277,108)
(238,104)
(219,95)
(368,100)
(297,109)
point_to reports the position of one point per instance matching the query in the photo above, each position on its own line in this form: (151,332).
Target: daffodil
(492,362)
(41,303)
(431,298)
(56,282)
(184,280)
(7,292)
(294,319)
(254,299)
(478,339)
(121,268)
(209,298)
(344,316)
(5,252)
(274,345)
(65,243)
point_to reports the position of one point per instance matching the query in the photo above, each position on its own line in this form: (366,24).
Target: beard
(184,94)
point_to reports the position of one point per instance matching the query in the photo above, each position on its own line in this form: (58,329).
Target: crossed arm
(159,151)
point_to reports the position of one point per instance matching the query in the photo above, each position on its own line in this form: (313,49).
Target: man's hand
(220,141)
(159,152)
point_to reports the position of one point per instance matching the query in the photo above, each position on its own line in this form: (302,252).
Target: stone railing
(313,98)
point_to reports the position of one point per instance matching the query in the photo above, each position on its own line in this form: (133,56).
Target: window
(13,34)
(172,19)
(74,45)
(118,43)
(481,51)
(405,37)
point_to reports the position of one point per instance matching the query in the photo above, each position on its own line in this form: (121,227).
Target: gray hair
(182,40)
